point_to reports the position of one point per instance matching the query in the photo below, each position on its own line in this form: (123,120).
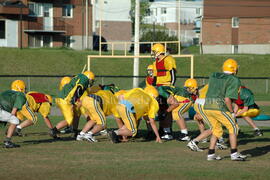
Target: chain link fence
(50,84)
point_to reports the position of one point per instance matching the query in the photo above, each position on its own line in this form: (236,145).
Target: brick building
(46,23)
(236,26)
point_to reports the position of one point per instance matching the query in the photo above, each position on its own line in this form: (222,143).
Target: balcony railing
(58,25)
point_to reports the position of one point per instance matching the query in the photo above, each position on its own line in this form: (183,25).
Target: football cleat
(183,137)
(113,137)
(80,137)
(18,132)
(258,132)
(89,137)
(167,137)
(9,144)
(204,140)
(212,157)
(193,146)
(67,130)
(221,146)
(238,157)
(53,133)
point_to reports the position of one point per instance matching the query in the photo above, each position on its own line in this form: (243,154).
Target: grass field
(42,158)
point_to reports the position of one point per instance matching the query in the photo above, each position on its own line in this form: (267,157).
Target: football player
(69,96)
(36,102)
(132,106)
(200,116)
(164,69)
(12,101)
(223,89)
(179,101)
(247,108)
(98,106)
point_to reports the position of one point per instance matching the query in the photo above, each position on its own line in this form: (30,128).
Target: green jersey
(247,97)
(221,86)
(69,89)
(12,99)
(166,91)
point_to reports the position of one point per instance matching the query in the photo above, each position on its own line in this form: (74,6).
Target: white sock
(90,132)
(116,132)
(19,127)
(184,131)
(256,129)
(82,133)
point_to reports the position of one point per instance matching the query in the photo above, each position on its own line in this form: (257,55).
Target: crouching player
(69,96)
(179,101)
(247,108)
(132,106)
(39,103)
(98,106)
(12,101)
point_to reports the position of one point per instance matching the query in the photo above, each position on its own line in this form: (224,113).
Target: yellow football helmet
(65,80)
(191,85)
(150,70)
(18,85)
(49,98)
(89,74)
(151,90)
(158,49)
(230,66)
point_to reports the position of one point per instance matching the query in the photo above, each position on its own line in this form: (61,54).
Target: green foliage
(159,35)
(144,6)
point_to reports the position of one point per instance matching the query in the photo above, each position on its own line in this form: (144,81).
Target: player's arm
(245,109)
(14,111)
(78,93)
(228,103)
(173,76)
(154,127)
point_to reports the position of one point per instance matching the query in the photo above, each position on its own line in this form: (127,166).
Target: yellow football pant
(28,114)
(94,111)
(128,118)
(219,118)
(199,109)
(66,108)
(250,113)
(180,110)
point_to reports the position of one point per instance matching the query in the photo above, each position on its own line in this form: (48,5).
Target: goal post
(92,57)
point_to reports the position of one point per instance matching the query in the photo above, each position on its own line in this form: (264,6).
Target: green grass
(42,158)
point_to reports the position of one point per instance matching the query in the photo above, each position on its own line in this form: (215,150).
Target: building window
(35,9)
(2,29)
(235,49)
(163,11)
(235,22)
(40,41)
(198,11)
(67,10)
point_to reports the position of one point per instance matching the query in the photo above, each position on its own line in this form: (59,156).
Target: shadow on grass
(246,141)
(41,141)
(257,151)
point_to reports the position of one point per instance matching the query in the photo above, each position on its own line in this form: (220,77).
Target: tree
(144,8)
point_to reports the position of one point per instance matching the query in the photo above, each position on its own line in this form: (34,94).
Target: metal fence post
(28,84)
(266,86)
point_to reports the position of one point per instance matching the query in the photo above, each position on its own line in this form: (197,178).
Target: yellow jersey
(143,103)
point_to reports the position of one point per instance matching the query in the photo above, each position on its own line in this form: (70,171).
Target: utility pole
(179,26)
(86,24)
(136,45)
